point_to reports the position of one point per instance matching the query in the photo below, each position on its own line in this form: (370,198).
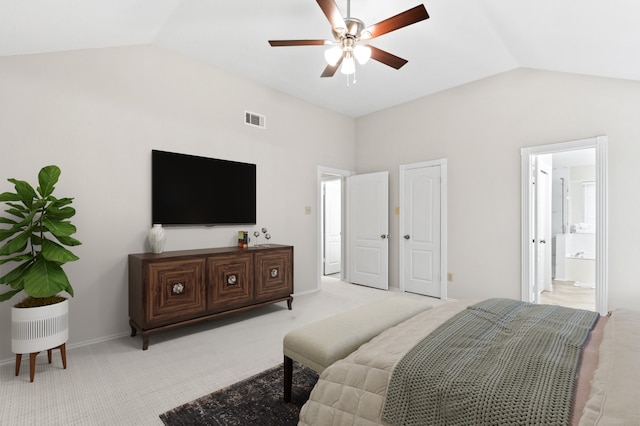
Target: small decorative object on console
(157,238)
(243,239)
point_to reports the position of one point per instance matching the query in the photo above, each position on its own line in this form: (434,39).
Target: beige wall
(98,113)
(480,128)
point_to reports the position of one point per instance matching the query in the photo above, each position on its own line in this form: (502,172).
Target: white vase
(40,328)
(157,238)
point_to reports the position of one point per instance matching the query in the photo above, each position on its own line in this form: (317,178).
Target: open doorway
(331,211)
(331,244)
(565,224)
(363,226)
(572,213)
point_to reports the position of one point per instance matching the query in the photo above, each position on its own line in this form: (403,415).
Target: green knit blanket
(499,362)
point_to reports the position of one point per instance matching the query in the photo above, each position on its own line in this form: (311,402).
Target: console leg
(289,303)
(145,341)
(288,378)
(134,330)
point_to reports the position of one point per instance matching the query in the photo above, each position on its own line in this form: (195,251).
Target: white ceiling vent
(253,119)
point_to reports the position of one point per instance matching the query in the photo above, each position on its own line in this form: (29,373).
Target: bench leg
(288,378)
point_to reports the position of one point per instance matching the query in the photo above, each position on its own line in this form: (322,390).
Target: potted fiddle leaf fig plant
(34,233)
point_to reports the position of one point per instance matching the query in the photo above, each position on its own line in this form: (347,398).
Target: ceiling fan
(349,32)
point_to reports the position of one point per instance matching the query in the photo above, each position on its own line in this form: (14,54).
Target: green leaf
(25,191)
(47,178)
(56,253)
(59,203)
(18,258)
(59,228)
(45,278)
(14,277)
(9,196)
(68,241)
(17,212)
(55,213)
(8,295)
(6,233)
(7,220)
(16,245)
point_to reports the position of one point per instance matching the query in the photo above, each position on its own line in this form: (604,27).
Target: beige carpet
(116,383)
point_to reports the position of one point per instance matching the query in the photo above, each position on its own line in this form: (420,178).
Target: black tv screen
(192,190)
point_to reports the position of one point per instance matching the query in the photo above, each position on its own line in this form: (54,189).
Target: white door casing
(423,234)
(368,196)
(332,226)
(600,143)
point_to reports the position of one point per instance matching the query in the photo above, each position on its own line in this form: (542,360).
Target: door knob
(543,241)
(406,237)
(383,236)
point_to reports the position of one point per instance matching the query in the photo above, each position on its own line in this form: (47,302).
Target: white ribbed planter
(39,329)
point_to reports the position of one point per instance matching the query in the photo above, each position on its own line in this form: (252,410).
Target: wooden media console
(177,288)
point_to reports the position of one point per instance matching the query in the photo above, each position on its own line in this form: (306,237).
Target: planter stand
(32,360)
(34,330)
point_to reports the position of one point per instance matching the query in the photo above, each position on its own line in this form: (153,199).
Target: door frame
(344,255)
(600,143)
(443,222)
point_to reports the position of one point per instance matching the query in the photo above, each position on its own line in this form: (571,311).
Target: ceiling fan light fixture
(362,54)
(333,55)
(348,64)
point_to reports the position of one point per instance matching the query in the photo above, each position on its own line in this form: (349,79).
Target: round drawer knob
(232,279)
(178,288)
(274,272)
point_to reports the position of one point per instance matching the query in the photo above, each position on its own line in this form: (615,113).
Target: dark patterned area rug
(257,400)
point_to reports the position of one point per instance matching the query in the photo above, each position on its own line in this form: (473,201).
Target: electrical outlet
(450,276)
(397,211)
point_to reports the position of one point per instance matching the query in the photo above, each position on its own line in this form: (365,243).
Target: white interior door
(368,196)
(420,228)
(543,200)
(332,226)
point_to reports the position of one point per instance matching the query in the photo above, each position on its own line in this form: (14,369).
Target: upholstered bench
(320,344)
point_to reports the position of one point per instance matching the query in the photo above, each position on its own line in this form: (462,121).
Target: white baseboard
(79,344)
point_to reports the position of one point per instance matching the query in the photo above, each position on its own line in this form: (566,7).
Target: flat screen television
(192,190)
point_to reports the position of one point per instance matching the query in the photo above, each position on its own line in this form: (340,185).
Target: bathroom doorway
(573,242)
(564,244)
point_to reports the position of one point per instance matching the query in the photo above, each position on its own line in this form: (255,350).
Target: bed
(604,388)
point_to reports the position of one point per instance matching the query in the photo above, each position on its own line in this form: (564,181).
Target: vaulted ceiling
(462,41)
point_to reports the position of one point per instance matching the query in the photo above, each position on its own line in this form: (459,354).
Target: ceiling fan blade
(278,43)
(387,58)
(330,70)
(408,17)
(333,14)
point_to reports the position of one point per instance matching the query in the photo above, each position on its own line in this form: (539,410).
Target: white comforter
(352,390)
